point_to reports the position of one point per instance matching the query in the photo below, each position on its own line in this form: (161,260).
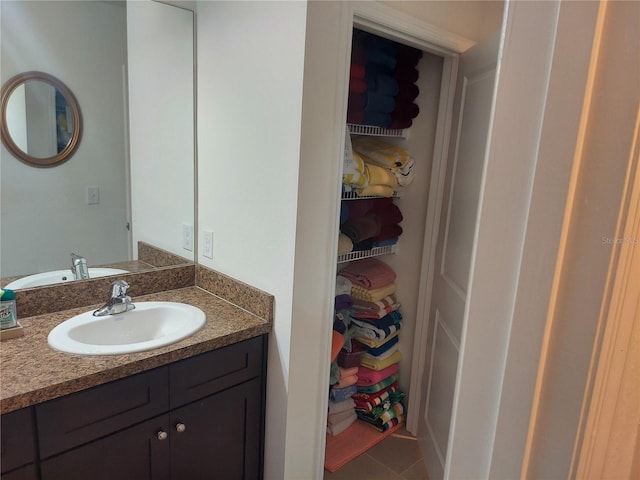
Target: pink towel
(348,372)
(366,376)
(346,381)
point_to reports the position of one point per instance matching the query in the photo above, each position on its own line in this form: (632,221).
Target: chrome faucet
(79,267)
(119,302)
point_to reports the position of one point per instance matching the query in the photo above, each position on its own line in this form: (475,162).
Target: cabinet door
(16,440)
(136,453)
(221,438)
(24,473)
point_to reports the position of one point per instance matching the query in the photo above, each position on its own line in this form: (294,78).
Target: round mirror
(41,122)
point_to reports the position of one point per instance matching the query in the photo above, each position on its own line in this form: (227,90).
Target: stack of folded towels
(368,223)
(377,152)
(374,323)
(382,85)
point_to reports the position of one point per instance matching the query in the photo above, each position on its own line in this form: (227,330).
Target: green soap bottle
(8,316)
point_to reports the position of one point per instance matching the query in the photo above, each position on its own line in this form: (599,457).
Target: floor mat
(355,440)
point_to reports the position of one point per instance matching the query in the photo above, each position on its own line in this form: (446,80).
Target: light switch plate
(187,236)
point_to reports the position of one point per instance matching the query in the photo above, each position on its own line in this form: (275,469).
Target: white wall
(161,123)
(45,215)
(250,68)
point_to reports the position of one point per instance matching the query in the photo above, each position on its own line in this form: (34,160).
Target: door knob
(180,427)
(162,435)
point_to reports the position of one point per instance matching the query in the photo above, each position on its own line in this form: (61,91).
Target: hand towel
(342,426)
(370,273)
(341,394)
(368,377)
(373,295)
(345,405)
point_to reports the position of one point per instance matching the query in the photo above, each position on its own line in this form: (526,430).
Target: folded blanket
(380,364)
(375,190)
(369,273)
(375,343)
(376,387)
(372,295)
(338,428)
(363,330)
(345,405)
(341,394)
(377,350)
(380,176)
(368,377)
(381,153)
(361,228)
(345,245)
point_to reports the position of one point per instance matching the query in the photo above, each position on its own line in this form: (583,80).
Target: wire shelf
(360,254)
(354,195)
(372,130)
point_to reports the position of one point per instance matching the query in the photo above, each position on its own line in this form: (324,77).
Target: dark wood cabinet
(199,418)
(17,446)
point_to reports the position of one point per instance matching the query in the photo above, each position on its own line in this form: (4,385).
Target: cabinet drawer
(84,416)
(210,372)
(16,441)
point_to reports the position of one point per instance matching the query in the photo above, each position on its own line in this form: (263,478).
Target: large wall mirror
(129,66)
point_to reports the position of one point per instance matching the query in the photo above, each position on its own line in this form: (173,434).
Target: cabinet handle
(180,427)
(162,435)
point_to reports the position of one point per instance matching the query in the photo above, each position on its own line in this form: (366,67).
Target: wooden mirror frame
(61,157)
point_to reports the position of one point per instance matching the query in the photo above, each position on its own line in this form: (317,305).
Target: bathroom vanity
(193,409)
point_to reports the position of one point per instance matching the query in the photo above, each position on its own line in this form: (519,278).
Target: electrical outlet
(207,243)
(187,237)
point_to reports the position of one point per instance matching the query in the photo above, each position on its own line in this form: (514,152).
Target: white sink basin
(150,325)
(59,276)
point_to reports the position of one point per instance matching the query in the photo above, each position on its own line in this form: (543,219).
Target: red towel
(355,117)
(369,273)
(357,101)
(357,85)
(358,70)
(366,376)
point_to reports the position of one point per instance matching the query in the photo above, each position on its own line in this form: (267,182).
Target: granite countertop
(32,372)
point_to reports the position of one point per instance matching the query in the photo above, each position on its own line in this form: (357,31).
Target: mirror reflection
(108,196)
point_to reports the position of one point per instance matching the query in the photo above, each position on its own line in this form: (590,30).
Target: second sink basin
(59,276)
(150,325)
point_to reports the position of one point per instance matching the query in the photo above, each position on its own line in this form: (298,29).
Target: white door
(473,104)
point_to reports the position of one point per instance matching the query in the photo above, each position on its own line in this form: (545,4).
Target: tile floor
(395,458)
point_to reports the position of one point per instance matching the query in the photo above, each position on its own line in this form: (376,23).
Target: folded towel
(381,83)
(362,398)
(374,343)
(346,381)
(393,418)
(353,171)
(357,70)
(379,309)
(338,407)
(405,110)
(361,228)
(380,357)
(405,74)
(345,245)
(406,55)
(385,243)
(343,285)
(357,101)
(377,119)
(376,387)
(341,394)
(382,399)
(336,418)
(367,376)
(408,93)
(380,364)
(348,371)
(388,211)
(389,343)
(392,318)
(357,117)
(362,330)
(357,85)
(378,103)
(388,231)
(338,428)
(380,176)
(375,190)
(372,295)
(342,302)
(370,273)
